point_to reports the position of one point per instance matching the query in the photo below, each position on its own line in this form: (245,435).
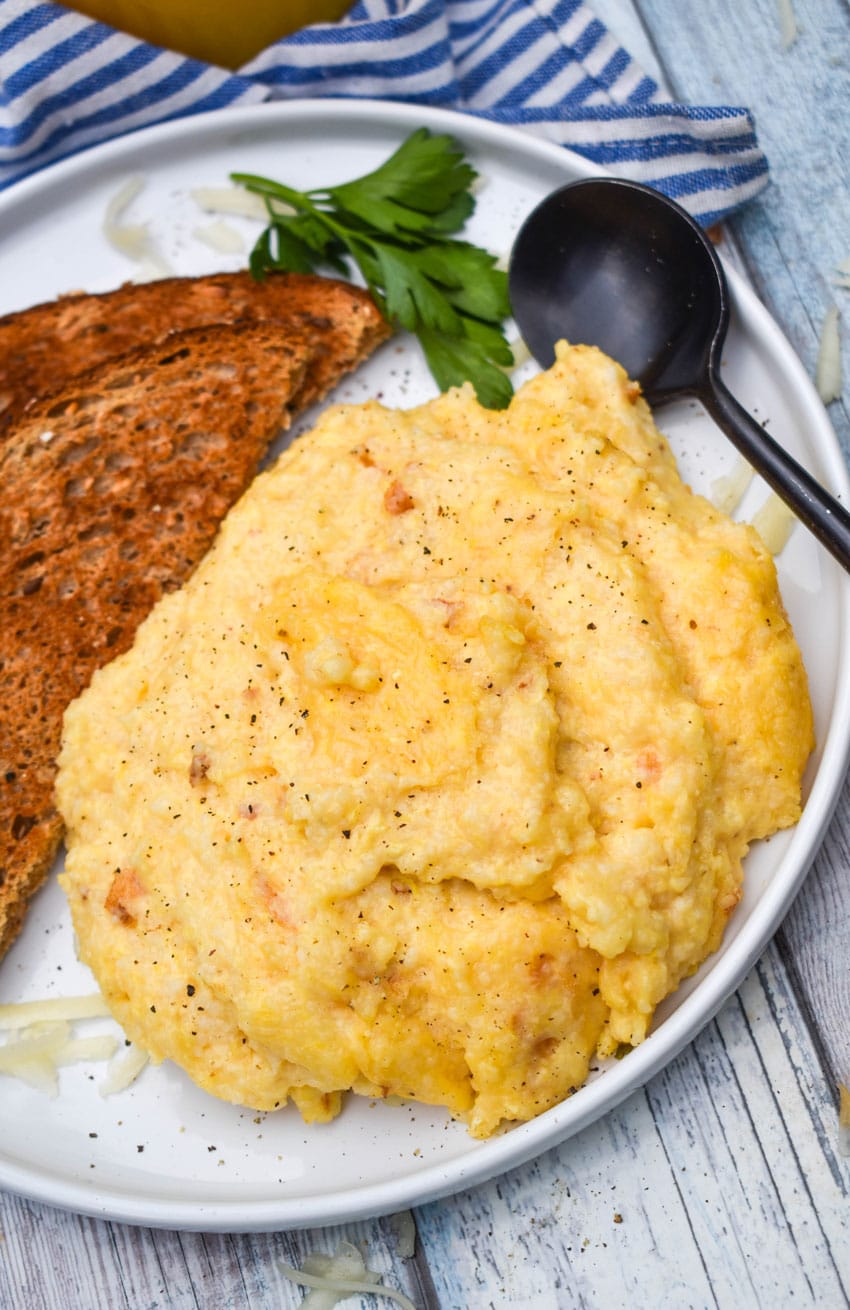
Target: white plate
(162,1152)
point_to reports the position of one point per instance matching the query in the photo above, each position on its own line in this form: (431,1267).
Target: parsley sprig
(396,224)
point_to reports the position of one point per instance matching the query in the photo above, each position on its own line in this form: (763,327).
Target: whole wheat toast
(111,491)
(43,347)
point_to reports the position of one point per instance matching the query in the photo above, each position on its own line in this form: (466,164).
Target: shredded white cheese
(774,522)
(34,1054)
(221,237)
(40,1040)
(521,354)
(230,200)
(133,239)
(404,1227)
(788,31)
(828,367)
(844,1119)
(77,1049)
(332,1278)
(38,1071)
(30,1055)
(239,202)
(123,1070)
(68,1008)
(842,274)
(728,491)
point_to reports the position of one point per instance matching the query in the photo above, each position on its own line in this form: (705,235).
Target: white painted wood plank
(549,1235)
(793,238)
(815,945)
(770,1210)
(52,1260)
(798,230)
(724,1171)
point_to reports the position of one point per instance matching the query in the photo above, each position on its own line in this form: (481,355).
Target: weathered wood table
(720,1183)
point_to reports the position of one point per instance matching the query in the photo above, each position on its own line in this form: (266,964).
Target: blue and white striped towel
(548,66)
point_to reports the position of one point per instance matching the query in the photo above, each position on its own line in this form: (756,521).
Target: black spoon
(614,264)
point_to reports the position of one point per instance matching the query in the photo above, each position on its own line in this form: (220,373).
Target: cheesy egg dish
(437,775)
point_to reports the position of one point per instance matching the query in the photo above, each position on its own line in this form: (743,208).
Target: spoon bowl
(614,264)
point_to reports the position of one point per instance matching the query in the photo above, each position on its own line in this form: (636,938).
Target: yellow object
(217,31)
(437,775)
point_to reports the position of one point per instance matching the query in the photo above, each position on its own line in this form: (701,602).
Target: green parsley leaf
(298,244)
(412,298)
(425,177)
(473,283)
(395,224)
(454,360)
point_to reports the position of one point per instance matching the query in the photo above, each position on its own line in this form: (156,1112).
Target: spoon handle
(822,514)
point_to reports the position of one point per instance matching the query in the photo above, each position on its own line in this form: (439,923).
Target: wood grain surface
(719,1184)
(792,239)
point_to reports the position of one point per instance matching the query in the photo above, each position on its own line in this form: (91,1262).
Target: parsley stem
(394,224)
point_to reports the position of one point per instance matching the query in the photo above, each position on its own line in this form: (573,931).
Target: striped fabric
(547,66)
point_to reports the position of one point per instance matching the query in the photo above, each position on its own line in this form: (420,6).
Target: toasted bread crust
(111,490)
(43,347)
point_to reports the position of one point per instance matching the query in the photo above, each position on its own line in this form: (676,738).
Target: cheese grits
(437,775)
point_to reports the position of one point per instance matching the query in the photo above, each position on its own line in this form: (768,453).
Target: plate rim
(523,1142)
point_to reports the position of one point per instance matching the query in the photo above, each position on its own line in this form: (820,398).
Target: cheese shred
(69,1008)
(221,237)
(231,200)
(40,1040)
(828,368)
(844,1119)
(133,239)
(123,1070)
(333,1278)
(728,491)
(774,522)
(788,31)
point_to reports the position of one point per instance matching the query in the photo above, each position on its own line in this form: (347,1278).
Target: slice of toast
(110,493)
(42,348)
